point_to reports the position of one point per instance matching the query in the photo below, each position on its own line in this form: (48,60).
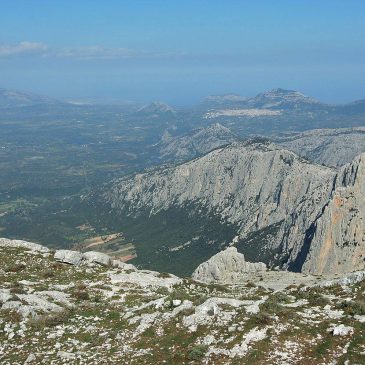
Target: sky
(181,51)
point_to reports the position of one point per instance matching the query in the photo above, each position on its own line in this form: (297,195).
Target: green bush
(197,352)
(353,307)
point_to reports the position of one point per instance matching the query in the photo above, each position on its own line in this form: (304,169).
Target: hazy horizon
(180,53)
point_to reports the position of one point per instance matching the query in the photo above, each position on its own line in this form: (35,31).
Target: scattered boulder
(97,257)
(342,330)
(30,359)
(227,266)
(145,279)
(69,257)
(5,242)
(347,279)
(122,265)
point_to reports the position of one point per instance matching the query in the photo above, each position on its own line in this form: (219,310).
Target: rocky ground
(103,312)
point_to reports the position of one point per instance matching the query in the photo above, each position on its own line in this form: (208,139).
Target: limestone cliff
(338,243)
(255,185)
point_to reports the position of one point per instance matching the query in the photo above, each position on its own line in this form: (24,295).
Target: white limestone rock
(330,147)
(122,265)
(342,330)
(145,279)
(227,266)
(97,257)
(30,359)
(5,242)
(69,257)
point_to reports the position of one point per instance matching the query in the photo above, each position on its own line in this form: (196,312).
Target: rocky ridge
(14,99)
(55,312)
(196,143)
(330,147)
(257,185)
(282,98)
(156,108)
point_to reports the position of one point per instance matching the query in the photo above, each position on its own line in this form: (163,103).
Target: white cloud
(7,50)
(98,52)
(81,53)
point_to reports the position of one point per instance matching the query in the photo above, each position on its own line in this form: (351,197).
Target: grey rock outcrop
(347,279)
(196,143)
(69,257)
(90,257)
(253,184)
(47,318)
(5,242)
(330,147)
(97,257)
(338,243)
(256,185)
(227,266)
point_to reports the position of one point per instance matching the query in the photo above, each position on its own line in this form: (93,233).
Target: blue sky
(181,51)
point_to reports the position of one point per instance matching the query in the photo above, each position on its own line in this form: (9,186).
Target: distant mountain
(273,99)
(195,143)
(224,100)
(330,147)
(355,107)
(281,98)
(156,108)
(275,206)
(14,99)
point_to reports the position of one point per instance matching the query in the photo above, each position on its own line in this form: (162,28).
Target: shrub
(262,318)
(47,273)
(197,352)
(164,275)
(17,290)
(80,292)
(50,320)
(15,268)
(11,315)
(353,307)
(81,295)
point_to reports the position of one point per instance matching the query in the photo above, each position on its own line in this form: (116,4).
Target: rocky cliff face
(338,242)
(196,143)
(330,147)
(253,184)
(258,185)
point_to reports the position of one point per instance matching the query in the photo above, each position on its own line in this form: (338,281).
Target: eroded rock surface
(52,312)
(227,266)
(318,211)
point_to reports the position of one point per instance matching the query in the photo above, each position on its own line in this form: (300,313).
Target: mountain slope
(275,201)
(281,98)
(13,99)
(338,242)
(196,143)
(53,311)
(330,147)
(156,108)
(243,182)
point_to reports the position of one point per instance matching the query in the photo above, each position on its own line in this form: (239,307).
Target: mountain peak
(15,98)
(281,98)
(156,107)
